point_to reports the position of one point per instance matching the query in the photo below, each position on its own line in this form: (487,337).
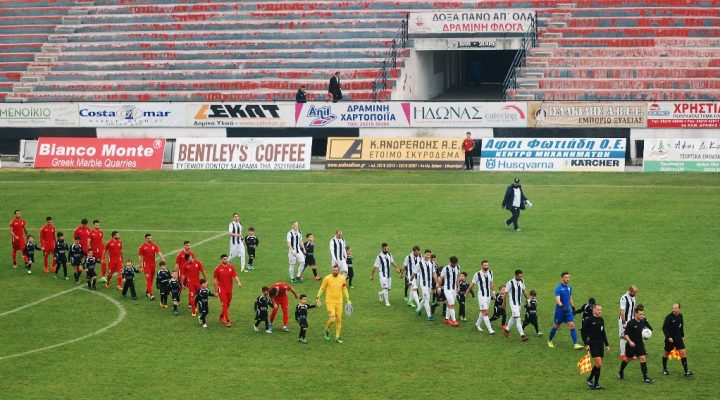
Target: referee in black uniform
(595,340)
(635,345)
(674,332)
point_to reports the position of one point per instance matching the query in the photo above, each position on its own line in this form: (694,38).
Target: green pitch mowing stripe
(609,230)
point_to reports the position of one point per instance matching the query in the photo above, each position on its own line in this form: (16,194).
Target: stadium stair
(641,51)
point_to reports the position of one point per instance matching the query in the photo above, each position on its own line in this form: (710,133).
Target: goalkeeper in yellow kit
(334,287)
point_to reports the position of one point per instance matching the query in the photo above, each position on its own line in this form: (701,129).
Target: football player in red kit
(18,233)
(191,275)
(147,260)
(278,294)
(47,242)
(223,276)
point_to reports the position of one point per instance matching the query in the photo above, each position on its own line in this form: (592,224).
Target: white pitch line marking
(34,303)
(148,230)
(386,184)
(122,312)
(199,243)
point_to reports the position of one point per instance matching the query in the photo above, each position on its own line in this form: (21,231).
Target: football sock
(89,284)
(444,307)
(386,295)
(487,322)
(315,271)
(338,327)
(597,375)
(510,324)
(573,335)
(684,363)
(291,271)
(415,297)
(174,306)
(623,364)
(592,374)
(664,361)
(452,313)
(552,334)
(643,368)
(301,270)
(519,327)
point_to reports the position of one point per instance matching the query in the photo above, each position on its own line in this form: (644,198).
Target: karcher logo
(344,149)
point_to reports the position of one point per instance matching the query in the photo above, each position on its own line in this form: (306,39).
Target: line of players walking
(427,286)
(447,285)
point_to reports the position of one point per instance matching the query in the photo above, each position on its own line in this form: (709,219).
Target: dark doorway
(478,75)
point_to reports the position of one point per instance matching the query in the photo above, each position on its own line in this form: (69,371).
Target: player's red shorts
(99,253)
(48,247)
(115,265)
(193,287)
(18,244)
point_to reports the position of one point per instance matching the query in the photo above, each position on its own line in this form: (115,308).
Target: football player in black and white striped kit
(338,252)
(424,275)
(296,250)
(627,307)
(382,264)
(515,292)
(483,279)
(408,268)
(237,246)
(448,282)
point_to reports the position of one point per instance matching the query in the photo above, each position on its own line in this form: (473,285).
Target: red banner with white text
(92,153)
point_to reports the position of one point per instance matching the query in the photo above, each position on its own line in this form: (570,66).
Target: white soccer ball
(528,203)
(646,333)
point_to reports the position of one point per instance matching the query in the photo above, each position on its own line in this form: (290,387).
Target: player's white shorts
(515,311)
(386,283)
(414,284)
(343,266)
(621,330)
(236,250)
(451,296)
(425,292)
(299,257)
(484,303)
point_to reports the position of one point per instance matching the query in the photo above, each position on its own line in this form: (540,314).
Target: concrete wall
(418,81)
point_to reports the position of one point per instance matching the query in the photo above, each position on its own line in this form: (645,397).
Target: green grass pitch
(659,232)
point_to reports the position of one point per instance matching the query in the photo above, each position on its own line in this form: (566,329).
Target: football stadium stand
(205,50)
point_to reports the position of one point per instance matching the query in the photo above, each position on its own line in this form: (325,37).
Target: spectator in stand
(300,96)
(334,88)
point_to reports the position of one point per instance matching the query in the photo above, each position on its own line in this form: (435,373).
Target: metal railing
(529,40)
(399,42)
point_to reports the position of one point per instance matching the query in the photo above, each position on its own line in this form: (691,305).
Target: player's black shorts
(440,296)
(310,260)
(31,258)
(164,289)
(261,315)
(91,274)
(303,323)
(637,351)
(175,296)
(677,343)
(596,350)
